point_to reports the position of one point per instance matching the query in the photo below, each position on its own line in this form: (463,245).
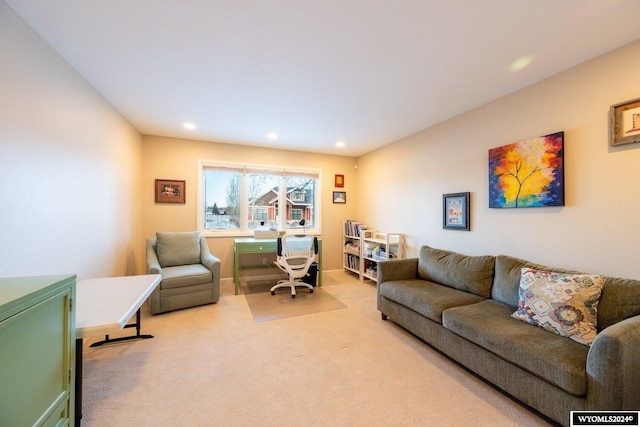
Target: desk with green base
(251,245)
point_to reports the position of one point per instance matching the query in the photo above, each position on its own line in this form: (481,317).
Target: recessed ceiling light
(272,136)
(189,125)
(340,144)
(521,63)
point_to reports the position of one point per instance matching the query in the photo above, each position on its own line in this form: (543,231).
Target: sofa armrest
(153,265)
(397,269)
(613,364)
(208,260)
(212,263)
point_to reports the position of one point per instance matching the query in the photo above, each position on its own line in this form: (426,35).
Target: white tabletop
(105,305)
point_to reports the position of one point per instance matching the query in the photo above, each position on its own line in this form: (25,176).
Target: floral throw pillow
(563,303)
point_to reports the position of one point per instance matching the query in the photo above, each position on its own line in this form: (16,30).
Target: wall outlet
(264,261)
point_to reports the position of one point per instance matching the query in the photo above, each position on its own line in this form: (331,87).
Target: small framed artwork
(339,197)
(339,181)
(455,211)
(624,123)
(170,191)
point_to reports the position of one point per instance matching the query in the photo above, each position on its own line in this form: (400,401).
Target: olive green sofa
(462,306)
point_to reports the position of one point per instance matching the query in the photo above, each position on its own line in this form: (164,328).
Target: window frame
(246,169)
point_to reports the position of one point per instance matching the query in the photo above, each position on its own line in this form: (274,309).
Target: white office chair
(296,254)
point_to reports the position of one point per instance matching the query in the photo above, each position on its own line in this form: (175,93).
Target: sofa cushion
(467,273)
(620,300)
(426,298)
(554,358)
(562,303)
(178,248)
(185,275)
(506,282)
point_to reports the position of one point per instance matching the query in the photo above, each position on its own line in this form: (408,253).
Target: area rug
(260,286)
(265,307)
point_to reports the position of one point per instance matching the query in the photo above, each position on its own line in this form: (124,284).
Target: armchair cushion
(178,248)
(185,275)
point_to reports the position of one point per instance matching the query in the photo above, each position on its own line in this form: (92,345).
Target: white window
(235,199)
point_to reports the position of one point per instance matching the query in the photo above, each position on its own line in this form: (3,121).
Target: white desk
(104,306)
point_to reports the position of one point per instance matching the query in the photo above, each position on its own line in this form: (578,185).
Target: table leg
(78,388)
(319,263)
(236,265)
(137,336)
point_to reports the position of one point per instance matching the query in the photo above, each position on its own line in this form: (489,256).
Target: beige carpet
(265,306)
(215,366)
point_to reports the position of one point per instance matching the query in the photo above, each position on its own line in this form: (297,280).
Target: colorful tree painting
(528,173)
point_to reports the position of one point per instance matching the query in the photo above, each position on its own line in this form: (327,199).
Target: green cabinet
(37,351)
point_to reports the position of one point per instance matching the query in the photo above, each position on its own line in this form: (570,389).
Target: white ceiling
(367,72)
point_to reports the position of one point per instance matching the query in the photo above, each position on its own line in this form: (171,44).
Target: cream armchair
(190,274)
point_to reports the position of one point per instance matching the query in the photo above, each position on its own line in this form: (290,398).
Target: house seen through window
(236,199)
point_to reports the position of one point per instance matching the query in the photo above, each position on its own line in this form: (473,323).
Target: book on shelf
(352,261)
(353,228)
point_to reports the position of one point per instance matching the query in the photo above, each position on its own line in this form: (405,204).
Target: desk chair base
(292,285)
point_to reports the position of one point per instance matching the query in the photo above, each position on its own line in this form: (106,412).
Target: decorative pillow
(178,248)
(564,303)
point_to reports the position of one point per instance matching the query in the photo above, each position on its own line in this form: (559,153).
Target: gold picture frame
(624,123)
(170,191)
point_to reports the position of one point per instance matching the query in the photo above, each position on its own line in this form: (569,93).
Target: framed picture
(455,211)
(624,123)
(339,197)
(339,181)
(528,173)
(169,191)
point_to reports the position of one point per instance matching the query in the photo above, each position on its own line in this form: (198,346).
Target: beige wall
(400,186)
(171,158)
(69,167)
(77,179)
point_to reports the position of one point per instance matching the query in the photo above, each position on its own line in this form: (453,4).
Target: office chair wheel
(310,291)
(293,296)
(273,292)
